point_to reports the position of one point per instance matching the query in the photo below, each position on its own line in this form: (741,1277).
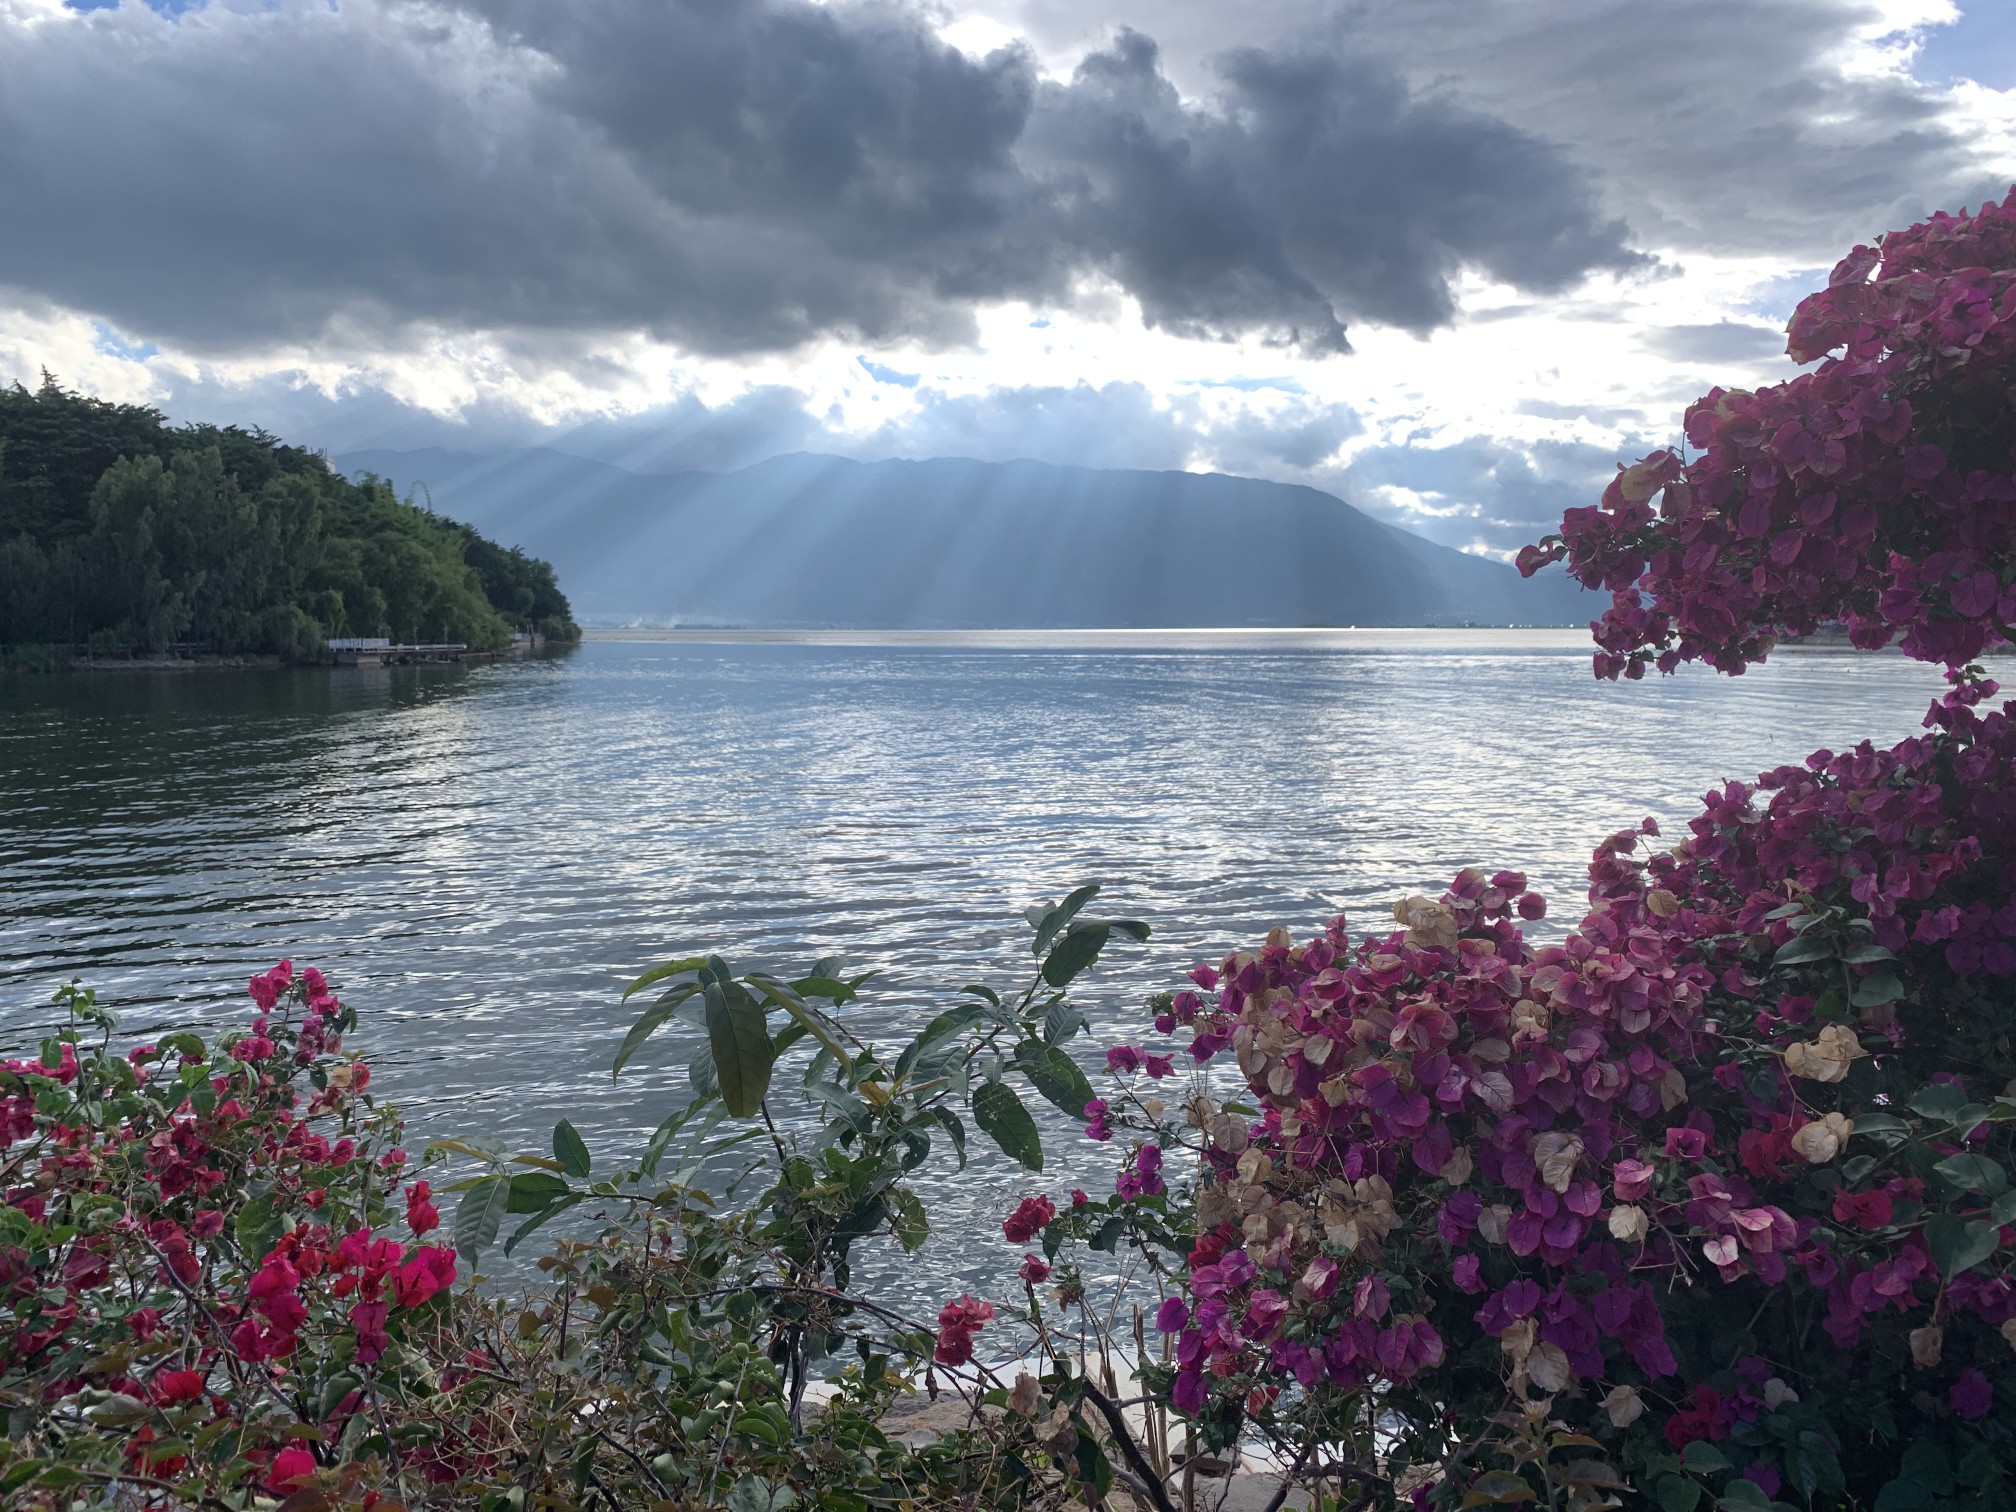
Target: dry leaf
(1624,1406)
(1629,1225)
(1927,1345)
(1027,1395)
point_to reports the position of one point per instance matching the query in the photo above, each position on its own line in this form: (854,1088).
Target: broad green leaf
(741,1046)
(1053,921)
(1876,989)
(1077,950)
(659,973)
(1940,1101)
(907,1218)
(571,1150)
(479,1215)
(1053,1073)
(1061,1021)
(941,1031)
(1744,1496)
(257,1228)
(1801,949)
(808,1018)
(540,1218)
(753,1494)
(954,1127)
(820,986)
(1880,1124)
(1958,1245)
(1868,955)
(1497,1488)
(1135,929)
(1974,1173)
(976,989)
(1001,1116)
(2003,1211)
(700,1074)
(649,1022)
(1703,1458)
(532,1191)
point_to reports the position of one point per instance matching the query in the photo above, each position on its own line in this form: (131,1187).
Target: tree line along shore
(122,536)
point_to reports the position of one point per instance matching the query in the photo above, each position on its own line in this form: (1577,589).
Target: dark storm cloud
(733,177)
(1711,125)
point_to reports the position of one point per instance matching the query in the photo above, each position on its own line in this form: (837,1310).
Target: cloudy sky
(1448,258)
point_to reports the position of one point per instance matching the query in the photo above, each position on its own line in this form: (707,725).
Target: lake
(480,857)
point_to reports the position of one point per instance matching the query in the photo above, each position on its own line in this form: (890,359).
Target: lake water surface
(480,857)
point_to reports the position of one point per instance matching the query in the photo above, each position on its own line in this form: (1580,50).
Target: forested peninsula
(122,534)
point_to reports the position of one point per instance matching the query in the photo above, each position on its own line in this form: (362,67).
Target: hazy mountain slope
(811,541)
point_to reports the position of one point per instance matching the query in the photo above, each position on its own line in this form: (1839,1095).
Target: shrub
(1711,1199)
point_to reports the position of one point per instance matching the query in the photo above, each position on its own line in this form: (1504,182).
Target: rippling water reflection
(480,857)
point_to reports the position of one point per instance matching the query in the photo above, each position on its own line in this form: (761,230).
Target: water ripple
(479,858)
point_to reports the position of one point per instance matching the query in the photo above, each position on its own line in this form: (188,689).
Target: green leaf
(257,1228)
(700,1075)
(818,985)
(532,1191)
(1497,1488)
(741,1045)
(1053,1073)
(1676,1493)
(571,1150)
(649,1022)
(2003,1212)
(1880,1124)
(1868,955)
(1703,1458)
(119,1411)
(955,1128)
(1134,929)
(1744,1496)
(1077,950)
(1940,1101)
(1107,1240)
(1974,1173)
(1051,922)
(1958,1245)
(659,973)
(948,1026)
(789,1000)
(539,1219)
(1061,1021)
(1001,1116)
(1876,989)
(480,1214)
(753,1494)
(1801,949)
(907,1218)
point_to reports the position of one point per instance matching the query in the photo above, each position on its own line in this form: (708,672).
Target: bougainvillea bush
(1708,1203)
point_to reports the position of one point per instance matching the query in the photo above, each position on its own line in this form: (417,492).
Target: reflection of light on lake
(482,857)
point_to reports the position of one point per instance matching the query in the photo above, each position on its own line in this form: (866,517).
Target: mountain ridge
(806,540)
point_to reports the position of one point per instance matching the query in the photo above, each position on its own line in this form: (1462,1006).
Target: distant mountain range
(814,541)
